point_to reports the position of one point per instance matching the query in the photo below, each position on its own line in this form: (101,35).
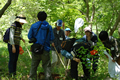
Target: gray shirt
(59,36)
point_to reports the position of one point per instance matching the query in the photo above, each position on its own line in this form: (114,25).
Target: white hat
(87,29)
(21,19)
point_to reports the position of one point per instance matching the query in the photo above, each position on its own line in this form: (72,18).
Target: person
(67,33)
(14,43)
(110,43)
(56,44)
(92,39)
(41,38)
(113,53)
(80,49)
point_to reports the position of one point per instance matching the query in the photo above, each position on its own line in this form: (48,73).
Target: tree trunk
(115,25)
(93,13)
(5,7)
(96,29)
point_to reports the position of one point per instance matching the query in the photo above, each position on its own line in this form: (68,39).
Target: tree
(5,7)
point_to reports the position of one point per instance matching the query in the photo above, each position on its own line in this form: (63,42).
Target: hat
(42,15)
(67,29)
(59,22)
(21,19)
(87,29)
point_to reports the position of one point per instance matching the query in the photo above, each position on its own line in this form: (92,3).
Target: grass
(24,64)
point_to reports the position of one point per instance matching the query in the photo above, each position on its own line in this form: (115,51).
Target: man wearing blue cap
(59,36)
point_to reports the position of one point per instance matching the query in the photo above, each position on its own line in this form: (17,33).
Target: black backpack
(81,49)
(68,44)
(6,36)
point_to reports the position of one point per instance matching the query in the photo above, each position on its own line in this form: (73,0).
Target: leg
(16,58)
(34,65)
(59,62)
(54,60)
(13,57)
(95,61)
(73,70)
(86,68)
(46,64)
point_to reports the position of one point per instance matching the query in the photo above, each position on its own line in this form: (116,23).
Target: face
(67,33)
(58,28)
(21,23)
(87,33)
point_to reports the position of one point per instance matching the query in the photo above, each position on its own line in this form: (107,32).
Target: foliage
(67,10)
(24,63)
(104,18)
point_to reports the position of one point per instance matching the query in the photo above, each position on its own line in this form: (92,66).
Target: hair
(103,35)
(42,15)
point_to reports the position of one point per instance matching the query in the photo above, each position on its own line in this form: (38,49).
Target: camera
(32,40)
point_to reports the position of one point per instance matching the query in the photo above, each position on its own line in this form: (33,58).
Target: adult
(44,39)
(112,44)
(113,54)
(56,43)
(92,39)
(14,43)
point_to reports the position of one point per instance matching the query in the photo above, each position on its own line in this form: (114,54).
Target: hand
(53,44)
(88,38)
(113,60)
(76,59)
(13,49)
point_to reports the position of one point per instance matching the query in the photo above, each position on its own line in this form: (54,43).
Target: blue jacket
(42,33)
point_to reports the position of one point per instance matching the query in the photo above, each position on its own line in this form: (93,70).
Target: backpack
(6,36)
(68,44)
(81,49)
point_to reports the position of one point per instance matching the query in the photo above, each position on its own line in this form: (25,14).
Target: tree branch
(82,12)
(5,7)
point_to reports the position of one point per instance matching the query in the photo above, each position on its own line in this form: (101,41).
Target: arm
(69,55)
(108,56)
(63,35)
(93,40)
(30,33)
(21,38)
(51,36)
(12,31)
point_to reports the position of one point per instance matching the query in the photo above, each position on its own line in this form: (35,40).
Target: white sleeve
(11,36)
(105,52)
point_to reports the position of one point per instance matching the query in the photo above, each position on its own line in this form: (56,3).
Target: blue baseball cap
(59,22)
(67,29)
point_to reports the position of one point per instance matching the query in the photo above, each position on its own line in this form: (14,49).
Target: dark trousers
(13,57)
(95,61)
(46,64)
(74,71)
